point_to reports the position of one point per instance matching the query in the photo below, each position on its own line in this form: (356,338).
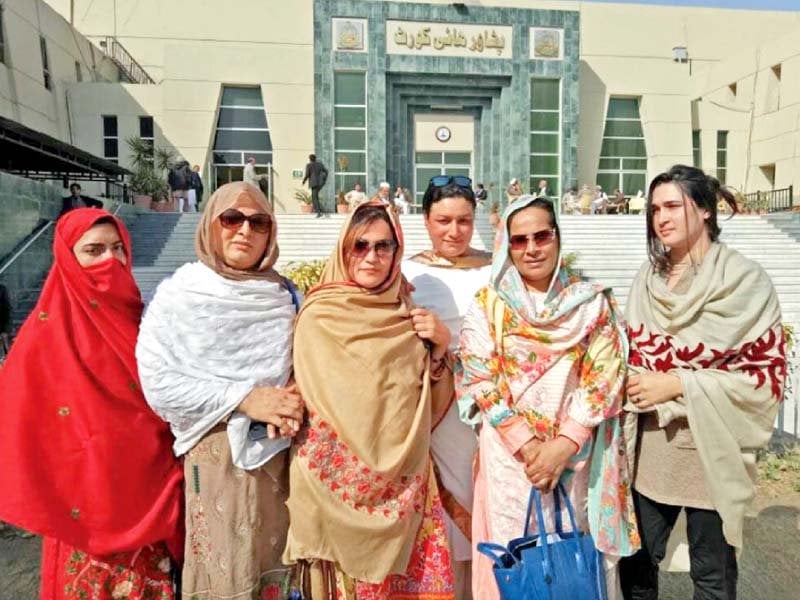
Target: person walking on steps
(316,176)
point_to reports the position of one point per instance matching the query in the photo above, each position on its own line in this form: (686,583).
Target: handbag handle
(496,552)
(535,498)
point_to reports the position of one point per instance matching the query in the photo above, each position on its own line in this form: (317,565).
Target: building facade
(571,92)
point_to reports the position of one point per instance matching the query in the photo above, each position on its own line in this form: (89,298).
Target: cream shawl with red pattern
(724,339)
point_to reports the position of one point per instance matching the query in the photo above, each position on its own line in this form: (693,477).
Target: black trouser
(315,199)
(712,561)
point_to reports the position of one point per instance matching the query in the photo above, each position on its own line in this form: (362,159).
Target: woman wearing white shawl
(215,356)
(707,366)
(445,279)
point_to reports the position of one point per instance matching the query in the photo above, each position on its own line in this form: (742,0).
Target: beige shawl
(724,339)
(359,478)
(207,245)
(473,259)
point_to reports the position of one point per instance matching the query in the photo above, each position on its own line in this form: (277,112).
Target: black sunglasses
(443,180)
(234,219)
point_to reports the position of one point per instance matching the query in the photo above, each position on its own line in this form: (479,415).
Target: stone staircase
(788,222)
(609,248)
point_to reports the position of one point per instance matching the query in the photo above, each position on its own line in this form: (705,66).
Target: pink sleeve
(575,431)
(515,433)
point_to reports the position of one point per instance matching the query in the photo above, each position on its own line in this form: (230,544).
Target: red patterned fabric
(429,575)
(352,480)
(763,359)
(69,574)
(83,459)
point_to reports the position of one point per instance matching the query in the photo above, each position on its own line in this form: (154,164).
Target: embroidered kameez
(539,365)
(210,336)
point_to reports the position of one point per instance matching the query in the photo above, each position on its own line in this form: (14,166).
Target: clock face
(443,134)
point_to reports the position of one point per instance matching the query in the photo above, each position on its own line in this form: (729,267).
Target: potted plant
(148,182)
(304,198)
(341,203)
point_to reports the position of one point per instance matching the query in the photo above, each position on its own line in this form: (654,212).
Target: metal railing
(19,251)
(772,200)
(123,59)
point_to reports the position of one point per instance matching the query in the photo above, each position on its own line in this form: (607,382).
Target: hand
(529,451)
(429,327)
(280,408)
(649,388)
(550,460)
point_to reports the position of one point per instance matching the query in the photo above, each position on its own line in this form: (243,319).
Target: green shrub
(305,275)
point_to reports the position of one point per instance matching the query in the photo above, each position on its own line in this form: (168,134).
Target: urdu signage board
(445,39)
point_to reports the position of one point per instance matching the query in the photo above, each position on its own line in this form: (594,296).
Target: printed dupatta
(508,305)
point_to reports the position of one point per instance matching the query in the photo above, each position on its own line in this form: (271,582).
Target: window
(45,62)
(78,72)
(350,130)
(772,102)
(722,155)
(623,156)
(768,172)
(146,132)
(2,37)
(242,132)
(696,154)
(545,135)
(430,164)
(110,138)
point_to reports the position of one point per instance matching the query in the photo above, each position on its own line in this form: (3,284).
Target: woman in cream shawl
(543,358)
(445,279)
(215,356)
(375,373)
(708,365)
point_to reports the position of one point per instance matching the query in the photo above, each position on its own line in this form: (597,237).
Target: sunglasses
(383,248)
(540,238)
(443,180)
(234,219)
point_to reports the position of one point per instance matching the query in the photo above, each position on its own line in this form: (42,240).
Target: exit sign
(297,173)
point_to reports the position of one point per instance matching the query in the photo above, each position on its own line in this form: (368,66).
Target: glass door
(430,164)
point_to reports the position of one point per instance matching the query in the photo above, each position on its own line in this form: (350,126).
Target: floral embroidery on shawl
(429,576)
(762,359)
(351,480)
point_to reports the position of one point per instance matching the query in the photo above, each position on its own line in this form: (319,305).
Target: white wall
(23,97)
(193,46)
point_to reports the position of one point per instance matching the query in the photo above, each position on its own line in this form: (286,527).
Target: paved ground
(768,570)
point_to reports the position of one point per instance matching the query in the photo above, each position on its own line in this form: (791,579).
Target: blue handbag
(560,565)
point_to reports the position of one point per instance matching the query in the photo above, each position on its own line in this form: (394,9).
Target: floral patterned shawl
(544,332)
(359,479)
(724,339)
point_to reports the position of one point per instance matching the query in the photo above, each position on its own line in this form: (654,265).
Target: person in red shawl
(84,461)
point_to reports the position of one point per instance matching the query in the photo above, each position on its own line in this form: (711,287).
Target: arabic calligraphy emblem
(547,43)
(349,35)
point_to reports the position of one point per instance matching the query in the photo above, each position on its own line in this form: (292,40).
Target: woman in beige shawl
(375,373)
(708,365)
(215,360)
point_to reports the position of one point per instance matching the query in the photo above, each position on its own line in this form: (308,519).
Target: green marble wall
(495,91)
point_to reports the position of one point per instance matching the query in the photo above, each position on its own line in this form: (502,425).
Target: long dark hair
(704,190)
